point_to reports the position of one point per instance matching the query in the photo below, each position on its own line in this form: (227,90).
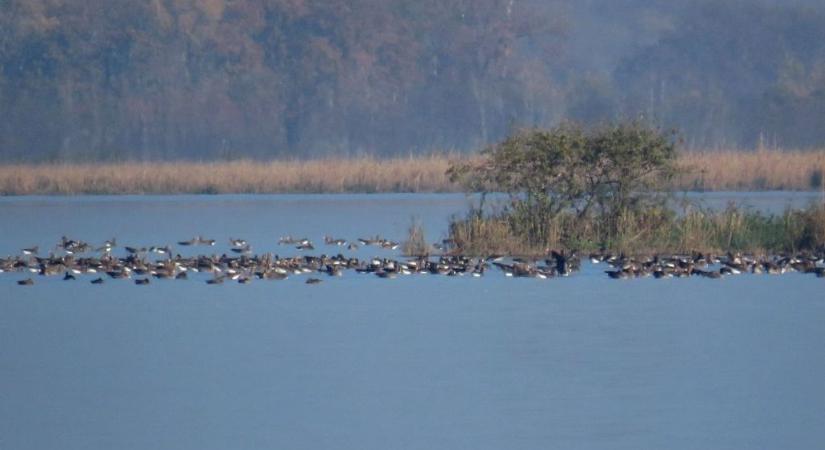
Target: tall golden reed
(726,170)
(759,170)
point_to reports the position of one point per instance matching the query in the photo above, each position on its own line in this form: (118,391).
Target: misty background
(102,80)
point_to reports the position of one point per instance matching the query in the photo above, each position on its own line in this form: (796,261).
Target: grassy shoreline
(656,231)
(709,171)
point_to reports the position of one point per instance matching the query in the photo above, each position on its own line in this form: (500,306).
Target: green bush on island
(607,188)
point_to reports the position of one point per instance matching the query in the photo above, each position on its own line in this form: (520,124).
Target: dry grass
(728,170)
(420,174)
(416,245)
(760,170)
(649,232)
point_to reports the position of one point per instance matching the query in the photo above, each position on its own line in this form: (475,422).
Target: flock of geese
(710,266)
(73,258)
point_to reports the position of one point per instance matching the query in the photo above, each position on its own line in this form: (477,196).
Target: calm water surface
(418,362)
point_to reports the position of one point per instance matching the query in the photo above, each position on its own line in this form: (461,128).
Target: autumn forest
(148,80)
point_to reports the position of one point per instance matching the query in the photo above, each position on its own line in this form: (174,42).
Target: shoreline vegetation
(724,170)
(656,232)
(609,190)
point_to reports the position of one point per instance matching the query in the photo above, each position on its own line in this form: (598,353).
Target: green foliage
(601,172)
(604,188)
(650,231)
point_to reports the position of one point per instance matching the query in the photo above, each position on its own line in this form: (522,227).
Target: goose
(163,273)
(216,280)
(71,246)
(313,281)
(286,240)
(559,259)
(202,241)
(273,275)
(390,245)
(67,276)
(333,270)
(26,282)
(478,270)
(728,270)
(370,241)
(31,250)
(706,273)
(385,274)
(772,268)
(329,240)
(165,250)
(118,274)
(97,281)
(662,273)
(142,281)
(238,242)
(506,268)
(596,258)
(618,274)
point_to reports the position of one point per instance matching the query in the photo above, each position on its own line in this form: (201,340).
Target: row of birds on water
(711,266)
(72,258)
(240,246)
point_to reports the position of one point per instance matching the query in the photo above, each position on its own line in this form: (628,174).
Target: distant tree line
(733,74)
(219,79)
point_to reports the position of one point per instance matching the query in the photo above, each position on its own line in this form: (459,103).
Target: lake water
(417,362)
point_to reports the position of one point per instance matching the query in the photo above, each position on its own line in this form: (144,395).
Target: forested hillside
(220,79)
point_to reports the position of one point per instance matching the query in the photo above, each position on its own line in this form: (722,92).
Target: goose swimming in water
(246,249)
(621,274)
(216,280)
(329,240)
(385,243)
(238,242)
(386,274)
(165,250)
(203,241)
(305,244)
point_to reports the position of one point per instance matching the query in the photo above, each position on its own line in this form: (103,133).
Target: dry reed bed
(760,170)
(423,174)
(728,170)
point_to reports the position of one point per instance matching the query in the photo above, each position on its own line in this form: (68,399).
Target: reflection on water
(364,363)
